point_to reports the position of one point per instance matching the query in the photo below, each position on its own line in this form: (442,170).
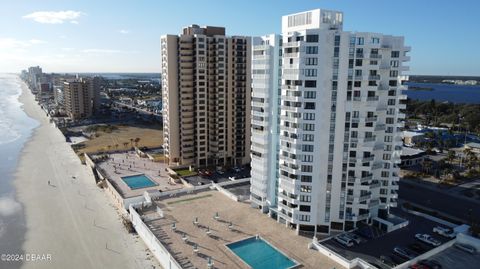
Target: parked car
(344,240)
(426,238)
(417,247)
(404,253)
(220,172)
(431,264)
(465,247)
(237,169)
(447,232)
(355,238)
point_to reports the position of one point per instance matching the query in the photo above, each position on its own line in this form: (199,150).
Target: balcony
(289,198)
(370,119)
(377,165)
(380,127)
(364,197)
(369,139)
(368,159)
(374,77)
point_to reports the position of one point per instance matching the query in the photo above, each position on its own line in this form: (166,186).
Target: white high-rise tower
(339,117)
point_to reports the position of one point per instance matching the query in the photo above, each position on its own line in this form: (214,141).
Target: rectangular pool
(259,254)
(138,181)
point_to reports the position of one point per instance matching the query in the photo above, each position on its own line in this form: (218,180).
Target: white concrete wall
(166,260)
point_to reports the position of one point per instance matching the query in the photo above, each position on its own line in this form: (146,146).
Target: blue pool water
(258,254)
(138,181)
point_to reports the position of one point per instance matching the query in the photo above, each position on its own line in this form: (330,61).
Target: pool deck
(247,222)
(129,164)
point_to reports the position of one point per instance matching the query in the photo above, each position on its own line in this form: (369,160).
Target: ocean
(445,92)
(15,130)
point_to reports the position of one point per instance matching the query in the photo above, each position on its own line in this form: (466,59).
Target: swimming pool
(138,181)
(259,254)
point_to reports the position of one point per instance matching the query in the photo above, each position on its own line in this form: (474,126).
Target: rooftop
(406,151)
(125,164)
(246,222)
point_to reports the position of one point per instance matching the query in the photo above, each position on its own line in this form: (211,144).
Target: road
(438,200)
(141,110)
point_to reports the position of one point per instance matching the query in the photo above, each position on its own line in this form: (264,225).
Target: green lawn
(185,173)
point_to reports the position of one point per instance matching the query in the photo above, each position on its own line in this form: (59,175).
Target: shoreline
(69,219)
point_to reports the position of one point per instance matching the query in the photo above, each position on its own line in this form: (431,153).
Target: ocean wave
(8,206)
(8,133)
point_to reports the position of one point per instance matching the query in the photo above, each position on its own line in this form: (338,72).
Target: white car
(344,240)
(426,238)
(355,238)
(444,232)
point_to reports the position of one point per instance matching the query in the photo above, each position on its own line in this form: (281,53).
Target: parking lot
(371,249)
(217,177)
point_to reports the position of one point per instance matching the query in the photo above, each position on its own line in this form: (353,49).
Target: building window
(309,105)
(305,198)
(308,137)
(360,41)
(307,158)
(395,54)
(304,217)
(310,83)
(305,188)
(309,116)
(311,50)
(310,72)
(309,95)
(312,38)
(307,148)
(305,178)
(308,127)
(311,61)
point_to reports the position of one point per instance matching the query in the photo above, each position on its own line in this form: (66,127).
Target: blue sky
(124,36)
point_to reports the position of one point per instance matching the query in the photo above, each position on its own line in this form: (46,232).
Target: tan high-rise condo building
(206,82)
(81,97)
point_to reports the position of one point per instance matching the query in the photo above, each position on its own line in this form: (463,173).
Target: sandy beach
(71,219)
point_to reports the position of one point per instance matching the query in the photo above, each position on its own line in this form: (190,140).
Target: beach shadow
(52,185)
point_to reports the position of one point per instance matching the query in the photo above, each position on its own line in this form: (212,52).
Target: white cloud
(55,17)
(37,41)
(123,31)
(67,49)
(107,51)
(12,43)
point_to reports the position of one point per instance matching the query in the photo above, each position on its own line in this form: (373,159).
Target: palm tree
(116,146)
(427,165)
(125,144)
(451,156)
(131,141)
(109,147)
(136,141)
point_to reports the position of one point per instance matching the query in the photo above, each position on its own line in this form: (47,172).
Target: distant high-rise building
(34,74)
(337,124)
(206,97)
(79,98)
